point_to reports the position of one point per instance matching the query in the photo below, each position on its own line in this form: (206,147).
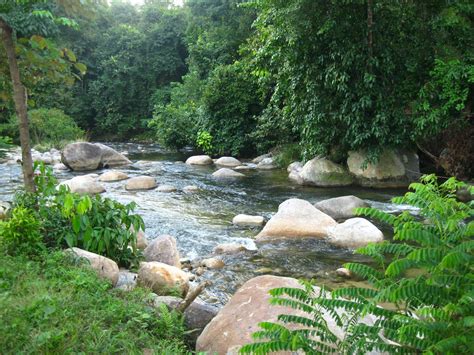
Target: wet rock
(343,272)
(250,305)
(259,159)
(267,164)
(190,189)
(164,250)
(60,166)
(166,188)
(84,185)
(212,263)
(354,233)
(244,220)
(296,219)
(228,162)
(141,183)
(393,169)
(244,168)
(196,317)
(226,173)
(4,209)
(200,271)
(82,156)
(111,176)
(105,267)
(341,207)
(127,280)
(464,195)
(294,170)
(199,160)
(229,248)
(323,172)
(163,279)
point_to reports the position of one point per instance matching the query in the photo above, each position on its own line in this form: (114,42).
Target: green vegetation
(5,144)
(425,276)
(54,305)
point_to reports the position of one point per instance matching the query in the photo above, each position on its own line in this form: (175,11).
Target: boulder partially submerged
(199,160)
(354,233)
(341,207)
(83,156)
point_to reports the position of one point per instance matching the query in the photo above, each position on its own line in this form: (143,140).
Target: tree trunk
(370,23)
(19,97)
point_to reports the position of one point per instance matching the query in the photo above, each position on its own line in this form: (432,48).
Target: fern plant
(420,293)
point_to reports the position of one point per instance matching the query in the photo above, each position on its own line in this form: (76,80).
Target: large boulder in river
(162,278)
(84,185)
(393,168)
(267,164)
(82,156)
(296,219)
(105,267)
(199,160)
(325,173)
(111,176)
(354,233)
(226,173)
(141,183)
(229,162)
(250,305)
(163,249)
(341,207)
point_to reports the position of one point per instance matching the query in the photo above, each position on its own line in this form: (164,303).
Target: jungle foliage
(420,293)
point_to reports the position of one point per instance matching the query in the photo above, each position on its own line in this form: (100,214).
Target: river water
(201,220)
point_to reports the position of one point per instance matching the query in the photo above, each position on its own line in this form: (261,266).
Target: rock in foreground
(354,233)
(296,219)
(84,185)
(341,207)
(163,279)
(105,267)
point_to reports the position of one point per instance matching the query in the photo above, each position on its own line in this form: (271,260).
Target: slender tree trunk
(370,23)
(19,96)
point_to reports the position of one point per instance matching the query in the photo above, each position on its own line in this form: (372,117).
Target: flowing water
(199,221)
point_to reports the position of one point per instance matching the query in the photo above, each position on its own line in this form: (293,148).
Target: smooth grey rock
(164,250)
(81,156)
(226,173)
(244,220)
(354,233)
(199,160)
(341,207)
(229,248)
(105,267)
(324,173)
(141,183)
(111,176)
(166,188)
(84,185)
(228,162)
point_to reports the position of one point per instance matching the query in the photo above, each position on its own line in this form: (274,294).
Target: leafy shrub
(204,141)
(5,144)
(287,154)
(96,224)
(20,235)
(425,276)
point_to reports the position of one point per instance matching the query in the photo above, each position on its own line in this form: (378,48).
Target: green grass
(51,306)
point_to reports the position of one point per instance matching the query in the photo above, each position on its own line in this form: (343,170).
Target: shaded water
(200,221)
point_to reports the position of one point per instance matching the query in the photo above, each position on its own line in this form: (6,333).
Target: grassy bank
(49,305)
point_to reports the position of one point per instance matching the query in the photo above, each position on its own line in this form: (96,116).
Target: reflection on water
(200,221)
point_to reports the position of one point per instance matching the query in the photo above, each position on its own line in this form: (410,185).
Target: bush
(5,144)
(96,224)
(50,127)
(425,277)
(57,306)
(20,235)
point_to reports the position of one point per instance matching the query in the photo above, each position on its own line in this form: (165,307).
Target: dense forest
(301,77)
(236,176)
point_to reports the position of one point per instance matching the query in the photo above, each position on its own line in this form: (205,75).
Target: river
(200,221)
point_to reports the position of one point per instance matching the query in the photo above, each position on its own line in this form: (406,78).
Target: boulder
(196,317)
(393,169)
(84,185)
(171,302)
(294,170)
(229,248)
(354,233)
(190,189)
(245,220)
(105,267)
(111,176)
(259,159)
(243,167)
(341,207)
(296,219)
(81,156)
(110,158)
(226,173)
(199,160)
(323,172)
(127,280)
(163,279)
(141,183)
(228,162)
(163,249)
(166,188)
(4,208)
(142,242)
(267,164)
(212,263)
(250,305)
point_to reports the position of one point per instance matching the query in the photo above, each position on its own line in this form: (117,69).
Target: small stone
(213,263)
(244,220)
(226,173)
(229,248)
(200,271)
(229,162)
(342,271)
(166,188)
(111,176)
(141,183)
(84,185)
(199,160)
(190,189)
